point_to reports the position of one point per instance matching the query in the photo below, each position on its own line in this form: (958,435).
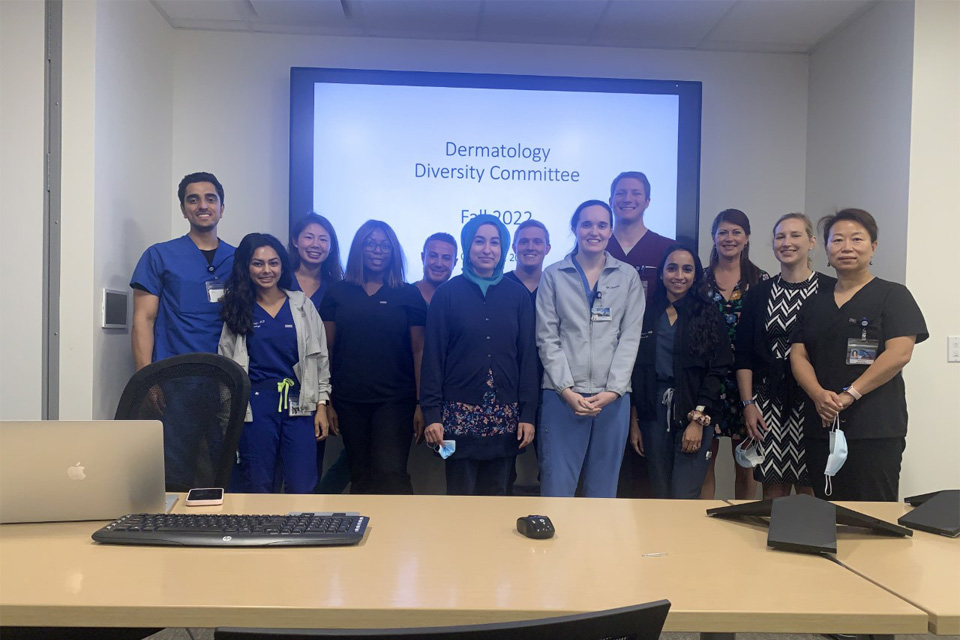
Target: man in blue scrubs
(176,310)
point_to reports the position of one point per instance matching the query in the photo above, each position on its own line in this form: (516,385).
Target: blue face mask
(445,449)
(838,455)
(748,454)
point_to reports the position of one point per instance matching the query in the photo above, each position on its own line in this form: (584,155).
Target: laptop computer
(80,470)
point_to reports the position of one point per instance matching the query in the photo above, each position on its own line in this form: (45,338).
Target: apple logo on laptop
(76,472)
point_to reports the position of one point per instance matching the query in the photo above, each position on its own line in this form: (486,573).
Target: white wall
(116,184)
(930,462)
(233,89)
(77,384)
(134,190)
(858,149)
(21,208)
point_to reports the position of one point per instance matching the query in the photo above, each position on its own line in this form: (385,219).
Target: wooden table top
(437,560)
(923,570)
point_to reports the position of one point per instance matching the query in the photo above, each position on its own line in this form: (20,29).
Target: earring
(871,262)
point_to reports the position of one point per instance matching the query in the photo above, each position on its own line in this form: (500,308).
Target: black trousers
(870,474)
(634,479)
(478,477)
(377,437)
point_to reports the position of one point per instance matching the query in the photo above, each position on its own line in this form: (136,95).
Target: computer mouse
(536,527)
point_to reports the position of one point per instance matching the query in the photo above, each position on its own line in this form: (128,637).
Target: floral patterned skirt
(485,431)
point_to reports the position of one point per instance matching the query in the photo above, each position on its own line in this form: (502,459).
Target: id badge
(295,409)
(862,351)
(600,314)
(215,289)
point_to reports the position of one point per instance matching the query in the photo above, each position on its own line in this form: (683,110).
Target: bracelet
(853,392)
(699,417)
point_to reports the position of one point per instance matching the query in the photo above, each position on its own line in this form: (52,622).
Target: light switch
(953,348)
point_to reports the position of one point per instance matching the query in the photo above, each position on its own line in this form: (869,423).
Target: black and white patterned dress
(781,401)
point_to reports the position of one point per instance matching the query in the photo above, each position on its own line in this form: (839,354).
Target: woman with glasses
(375,323)
(480,366)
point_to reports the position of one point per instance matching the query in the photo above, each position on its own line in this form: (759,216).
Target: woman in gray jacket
(589,315)
(276,335)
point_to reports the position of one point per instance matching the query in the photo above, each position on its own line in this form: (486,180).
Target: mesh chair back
(201,399)
(639,622)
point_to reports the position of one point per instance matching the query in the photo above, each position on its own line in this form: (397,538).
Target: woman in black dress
(848,353)
(773,404)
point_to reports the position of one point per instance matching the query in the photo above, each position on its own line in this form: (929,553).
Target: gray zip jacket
(313,368)
(576,352)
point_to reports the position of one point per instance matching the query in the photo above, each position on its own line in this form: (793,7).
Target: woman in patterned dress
(479,383)
(773,403)
(729,276)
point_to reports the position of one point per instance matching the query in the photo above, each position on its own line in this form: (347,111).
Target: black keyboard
(219,530)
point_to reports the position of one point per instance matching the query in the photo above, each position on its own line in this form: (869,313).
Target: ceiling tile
(787,22)
(178,10)
(659,23)
(300,12)
(432,19)
(540,21)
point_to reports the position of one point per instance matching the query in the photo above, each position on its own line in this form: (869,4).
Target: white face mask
(838,455)
(747,454)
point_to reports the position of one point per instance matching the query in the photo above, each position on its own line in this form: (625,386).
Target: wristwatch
(747,403)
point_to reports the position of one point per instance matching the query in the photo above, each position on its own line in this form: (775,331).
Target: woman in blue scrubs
(276,335)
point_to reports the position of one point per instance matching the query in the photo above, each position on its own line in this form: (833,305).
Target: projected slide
(427,158)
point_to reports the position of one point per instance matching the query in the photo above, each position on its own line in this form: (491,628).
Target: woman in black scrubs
(848,352)
(374,322)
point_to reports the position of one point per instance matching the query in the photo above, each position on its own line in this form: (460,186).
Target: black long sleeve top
(468,334)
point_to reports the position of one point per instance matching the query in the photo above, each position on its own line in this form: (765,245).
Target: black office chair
(201,398)
(639,622)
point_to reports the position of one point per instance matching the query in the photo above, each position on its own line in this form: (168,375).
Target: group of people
(623,364)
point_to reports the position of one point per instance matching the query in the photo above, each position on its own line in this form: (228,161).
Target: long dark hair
(395,270)
(330,270)
(700,311)
(236,309)
(749,272)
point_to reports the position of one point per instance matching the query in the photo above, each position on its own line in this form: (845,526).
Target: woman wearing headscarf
(478,385)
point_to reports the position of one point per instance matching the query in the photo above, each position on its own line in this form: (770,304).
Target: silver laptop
(84,470)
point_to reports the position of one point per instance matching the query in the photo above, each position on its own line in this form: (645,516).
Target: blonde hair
(807,225)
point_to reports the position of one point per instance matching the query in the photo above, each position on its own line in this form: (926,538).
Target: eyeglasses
(372,246)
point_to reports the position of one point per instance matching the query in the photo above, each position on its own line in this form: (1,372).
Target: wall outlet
(953,348)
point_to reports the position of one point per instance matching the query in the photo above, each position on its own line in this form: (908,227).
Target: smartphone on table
(204,497)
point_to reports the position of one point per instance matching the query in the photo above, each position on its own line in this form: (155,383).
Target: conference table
(924,570)
(438,560)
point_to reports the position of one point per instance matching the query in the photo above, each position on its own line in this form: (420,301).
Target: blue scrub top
(272,345)
(176,271)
